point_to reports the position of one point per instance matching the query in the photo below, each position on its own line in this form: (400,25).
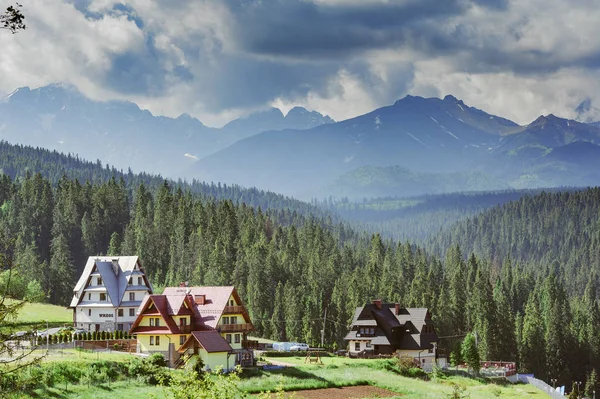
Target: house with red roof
(208,321)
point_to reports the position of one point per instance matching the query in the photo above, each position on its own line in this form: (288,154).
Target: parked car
(299,347)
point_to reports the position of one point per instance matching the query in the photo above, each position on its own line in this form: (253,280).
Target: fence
(540,385)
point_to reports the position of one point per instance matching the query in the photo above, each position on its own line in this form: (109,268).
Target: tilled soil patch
(356,392)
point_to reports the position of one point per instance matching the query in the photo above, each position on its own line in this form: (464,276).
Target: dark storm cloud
(299,28)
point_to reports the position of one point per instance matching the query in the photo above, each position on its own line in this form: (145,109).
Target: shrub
(157,359)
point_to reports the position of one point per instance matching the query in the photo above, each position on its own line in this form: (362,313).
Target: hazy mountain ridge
(297,118)
(120,133)
(423,135)
(373,182)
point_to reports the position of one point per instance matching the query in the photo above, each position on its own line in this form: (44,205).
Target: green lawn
(35,315)
(327,361)
(346,372)
(120,389)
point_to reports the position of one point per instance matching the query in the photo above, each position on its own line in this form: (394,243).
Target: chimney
(199,299)
(397,306)
(377,302)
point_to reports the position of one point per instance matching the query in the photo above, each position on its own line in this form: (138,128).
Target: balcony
(186,329)
(235,327)
(233,310)
(249,344)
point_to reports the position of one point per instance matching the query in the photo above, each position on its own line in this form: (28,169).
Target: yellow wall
(145,322)
(144,341)
(216,359)
(177,318)
(231,298)
(240,318)
(233,344)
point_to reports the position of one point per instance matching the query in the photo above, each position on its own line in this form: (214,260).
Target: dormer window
(130,282)
(102,296)
(132,296)
(140,281)
(99,280)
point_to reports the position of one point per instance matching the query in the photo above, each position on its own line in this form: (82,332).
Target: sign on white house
(108,293)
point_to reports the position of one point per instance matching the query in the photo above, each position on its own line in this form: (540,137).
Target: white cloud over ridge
(217,60)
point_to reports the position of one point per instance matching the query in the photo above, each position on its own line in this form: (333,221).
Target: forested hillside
(560,232)
(289,268)
(416,219)
(17,160)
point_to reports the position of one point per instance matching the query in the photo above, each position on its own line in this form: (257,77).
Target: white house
(108,293)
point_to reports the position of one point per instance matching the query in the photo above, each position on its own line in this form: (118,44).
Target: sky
(220,59)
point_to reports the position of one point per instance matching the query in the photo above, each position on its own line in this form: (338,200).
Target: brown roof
(210,340)
(395,326)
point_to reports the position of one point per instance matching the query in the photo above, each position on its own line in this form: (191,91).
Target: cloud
(217,60)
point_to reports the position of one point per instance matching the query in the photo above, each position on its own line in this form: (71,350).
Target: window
(132,296)
(233,319)
(130,282)
(157,340)
(225,320)
(157,321)
(89,297)
(140,281)
(183,321)
(182,339)
(357,346)
(372,331)
(368,344)
(89,312)
(102,296)
(231,303)
(152,322)
(131,312)
(99,280)
(362,331)
(228,338)
(120,312)
(237,338)
(151,340)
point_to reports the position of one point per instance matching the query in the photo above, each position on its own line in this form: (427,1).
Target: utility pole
(323,330)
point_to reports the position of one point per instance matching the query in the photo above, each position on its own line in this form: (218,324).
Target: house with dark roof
(386,328)
(108,293)
(208,321)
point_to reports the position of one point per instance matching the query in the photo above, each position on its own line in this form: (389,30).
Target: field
(35,315)
(346,372)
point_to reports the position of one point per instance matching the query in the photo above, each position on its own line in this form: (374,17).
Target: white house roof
(114,278)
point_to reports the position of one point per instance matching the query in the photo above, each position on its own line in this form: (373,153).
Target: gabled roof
(116,283)
(177,301)
(215,301)
(166,306)
(210,340)
(402,330)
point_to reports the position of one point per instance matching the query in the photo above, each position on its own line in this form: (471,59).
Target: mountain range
(121,134)
(415,146)
(442,141)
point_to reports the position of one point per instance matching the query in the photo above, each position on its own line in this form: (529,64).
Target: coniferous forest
(522,276)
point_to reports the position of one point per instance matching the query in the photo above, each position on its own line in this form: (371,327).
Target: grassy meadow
(340,372)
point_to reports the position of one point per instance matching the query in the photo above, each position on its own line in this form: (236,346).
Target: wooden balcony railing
(186,329)
(249,344)
(235,327)
(233,310)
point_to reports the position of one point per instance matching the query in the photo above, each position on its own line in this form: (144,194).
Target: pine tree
(470,353)
(114,247)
